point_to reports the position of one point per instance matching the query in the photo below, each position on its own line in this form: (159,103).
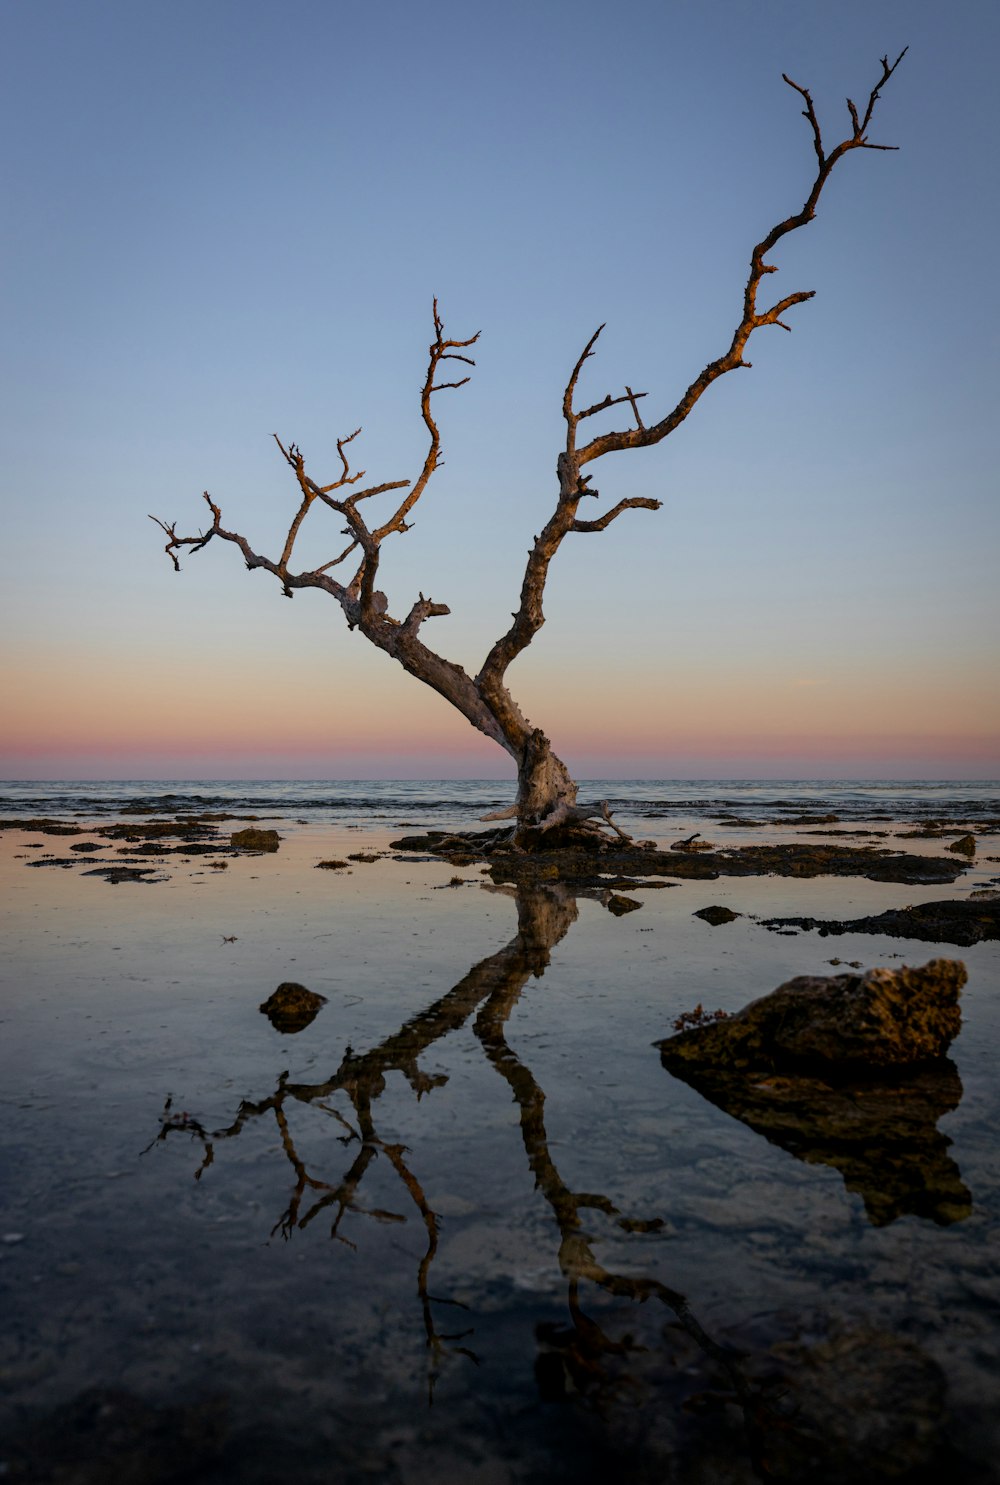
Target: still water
(463,1224)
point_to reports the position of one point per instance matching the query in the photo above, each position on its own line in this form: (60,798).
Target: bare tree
(546,793)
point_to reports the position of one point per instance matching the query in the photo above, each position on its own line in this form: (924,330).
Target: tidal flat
(452,1218)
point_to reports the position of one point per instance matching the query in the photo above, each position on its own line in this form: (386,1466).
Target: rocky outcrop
(588,867)
(884,1018)
(962,921)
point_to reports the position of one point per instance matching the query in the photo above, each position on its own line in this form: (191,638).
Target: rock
(590,868)
(961,921)
(884,1018)
(965,845)
(716,915)
(863,1406)
(118,874)
(255,840)
(691,843)
(621,905)
(292,1007)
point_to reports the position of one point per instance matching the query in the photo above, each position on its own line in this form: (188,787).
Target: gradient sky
(227,218)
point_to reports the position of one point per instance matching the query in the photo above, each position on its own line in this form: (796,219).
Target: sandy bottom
(408,1242)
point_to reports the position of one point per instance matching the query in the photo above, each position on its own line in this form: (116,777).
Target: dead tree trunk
(546,793)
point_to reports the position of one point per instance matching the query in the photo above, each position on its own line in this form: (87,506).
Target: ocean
(450,801)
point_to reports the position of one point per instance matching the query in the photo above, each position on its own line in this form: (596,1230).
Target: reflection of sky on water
(132,1273)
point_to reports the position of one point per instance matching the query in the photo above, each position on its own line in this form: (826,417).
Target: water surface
(463,1224)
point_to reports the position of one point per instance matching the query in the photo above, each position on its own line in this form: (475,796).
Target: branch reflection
(581,1354)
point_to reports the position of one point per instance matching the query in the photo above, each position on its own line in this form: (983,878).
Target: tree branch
(751,319)
(636,502)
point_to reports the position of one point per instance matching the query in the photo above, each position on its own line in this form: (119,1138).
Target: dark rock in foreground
(884,1018)
(107,1436)
(292,1007)
(959,921)
(862,1406)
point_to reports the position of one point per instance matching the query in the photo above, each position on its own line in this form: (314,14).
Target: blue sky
(227,220)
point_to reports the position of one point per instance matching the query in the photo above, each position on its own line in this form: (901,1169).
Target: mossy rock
(255,840)
(292,1007)
(716,915)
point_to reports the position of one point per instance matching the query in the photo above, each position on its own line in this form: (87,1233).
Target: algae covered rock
(963,921)
(255,840)
(292,1007)
(883,1018)
(717,915)
(621,905)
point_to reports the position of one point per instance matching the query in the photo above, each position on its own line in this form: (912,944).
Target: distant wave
(433,800)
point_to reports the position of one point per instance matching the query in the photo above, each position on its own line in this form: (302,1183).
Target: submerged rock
(292,1007)
(255,840)
(106,1436)
(865,1406)
(884,1018)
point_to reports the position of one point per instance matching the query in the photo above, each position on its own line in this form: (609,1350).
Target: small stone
(965,845)
(716,915)
(292,1008)
(622,905)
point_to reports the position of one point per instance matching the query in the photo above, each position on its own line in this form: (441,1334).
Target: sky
(226,219)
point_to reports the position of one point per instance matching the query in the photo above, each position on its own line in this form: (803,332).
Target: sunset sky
(227,218)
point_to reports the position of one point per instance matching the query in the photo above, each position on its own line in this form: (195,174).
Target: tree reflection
(492,988)
(582,1354)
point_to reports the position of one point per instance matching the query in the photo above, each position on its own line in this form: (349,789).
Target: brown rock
(621,905)
(292,1007)
(965,845)
(255,840)
(715,915)
(886,1017)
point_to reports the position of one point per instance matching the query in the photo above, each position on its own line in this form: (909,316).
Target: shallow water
(409,1241)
